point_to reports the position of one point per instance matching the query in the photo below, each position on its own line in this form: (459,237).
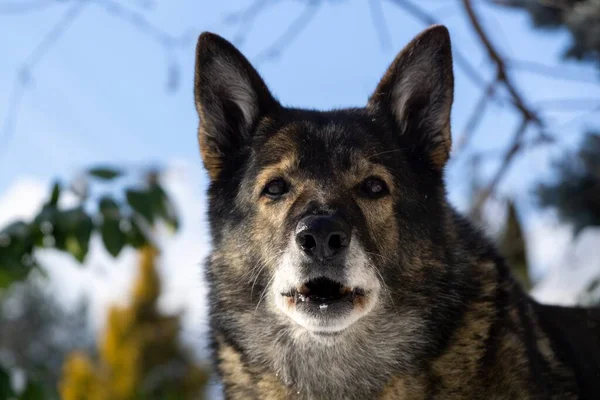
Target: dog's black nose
(323,237)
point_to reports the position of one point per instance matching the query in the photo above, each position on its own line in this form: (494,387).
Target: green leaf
(55,194)
(16,258)
(113,237)
(16,229)
(135,236)
(12,271)
(6,390)
(109,207)
(78,227)
(142,203)
(104,173)
(33,391)
(44,227)
(163,207)
(16,246)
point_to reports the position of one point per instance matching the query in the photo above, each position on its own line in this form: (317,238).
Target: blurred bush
(139,353)
(37,333)
(580,17)
(119,206)
(575,194)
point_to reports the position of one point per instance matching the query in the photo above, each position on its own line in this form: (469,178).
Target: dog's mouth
(323,292)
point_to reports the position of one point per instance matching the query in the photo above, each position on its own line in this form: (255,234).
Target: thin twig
(567,104)
(501,70)
(245,19)
(139,21)
(380,23)
(22,7)
(528,115)
(292,32)
(475,119)
(509,156)
(24,74)
(114,8)
(556,4)
(550,71)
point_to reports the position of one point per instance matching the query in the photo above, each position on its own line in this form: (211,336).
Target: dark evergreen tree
(575,194)
(580,17)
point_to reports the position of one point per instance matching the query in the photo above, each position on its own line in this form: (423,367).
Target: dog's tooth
(345,290)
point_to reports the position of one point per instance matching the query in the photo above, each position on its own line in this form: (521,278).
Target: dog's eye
(275,188)
(374,188)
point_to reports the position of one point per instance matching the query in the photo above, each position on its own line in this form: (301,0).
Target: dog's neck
(354,364)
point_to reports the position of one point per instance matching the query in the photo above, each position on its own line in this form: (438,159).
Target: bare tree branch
(528,115)
(501,70)
(24,74)
(23,7)
(297,26)
(138,20)
(380,23)
(475,118)
(567,104)
(246,19)
(509,156)
(73,11)
(550,71)
(557,4)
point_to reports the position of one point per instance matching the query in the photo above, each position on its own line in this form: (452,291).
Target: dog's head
(324,216)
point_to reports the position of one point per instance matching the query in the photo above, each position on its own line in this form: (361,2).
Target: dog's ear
(230,99)
(417,92)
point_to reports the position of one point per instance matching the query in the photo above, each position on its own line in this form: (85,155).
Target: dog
(339,270)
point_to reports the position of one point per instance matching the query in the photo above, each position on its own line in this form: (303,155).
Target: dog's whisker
(384,286)
(370,156)
(380,256)
(264,293)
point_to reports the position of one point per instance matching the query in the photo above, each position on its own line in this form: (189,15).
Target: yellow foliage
(513,247)
(139,353)
(147,287)
(80,380)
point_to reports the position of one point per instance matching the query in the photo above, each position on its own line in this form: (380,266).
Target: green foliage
(118,223)
(16,243)
(580,17)
(575,195)
(34,391)
(6,391)
(152,202)
(105,173)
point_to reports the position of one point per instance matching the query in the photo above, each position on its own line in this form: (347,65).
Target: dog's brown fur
(450,321)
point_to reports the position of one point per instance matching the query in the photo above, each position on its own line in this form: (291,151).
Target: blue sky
(99,94)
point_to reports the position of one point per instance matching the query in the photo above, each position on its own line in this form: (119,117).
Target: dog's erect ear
(230,98)
(417,92)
